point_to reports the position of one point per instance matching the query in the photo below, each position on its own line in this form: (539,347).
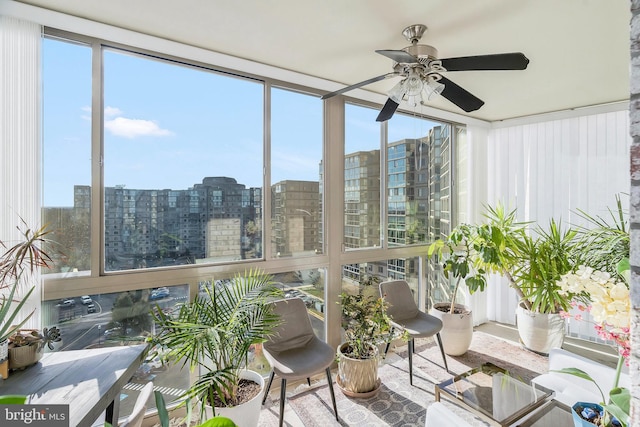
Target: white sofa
(570,389)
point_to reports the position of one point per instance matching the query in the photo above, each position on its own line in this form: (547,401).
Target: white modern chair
(406,316)
(137,415)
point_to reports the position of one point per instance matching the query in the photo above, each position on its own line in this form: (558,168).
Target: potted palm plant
(532,265)
(366,325)
(16,264)
(214,333)
(545,259)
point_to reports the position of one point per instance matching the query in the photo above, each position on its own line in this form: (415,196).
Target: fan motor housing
(423,51)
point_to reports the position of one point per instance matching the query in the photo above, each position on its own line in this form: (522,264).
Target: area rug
(398,403)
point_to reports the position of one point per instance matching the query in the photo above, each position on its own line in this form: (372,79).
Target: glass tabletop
(492,392)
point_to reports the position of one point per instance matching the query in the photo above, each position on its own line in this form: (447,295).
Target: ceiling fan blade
(357,85)
(498,61)
(399,56)
(459,96)
(387,111)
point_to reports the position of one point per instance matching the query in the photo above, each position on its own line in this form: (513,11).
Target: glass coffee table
(492,393)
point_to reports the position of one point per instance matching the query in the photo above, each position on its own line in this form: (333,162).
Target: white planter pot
(4,351)
(457,329)
(357,377)
(246,414)
(539,332)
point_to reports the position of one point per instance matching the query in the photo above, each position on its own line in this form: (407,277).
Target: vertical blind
(551,169)
(20,124)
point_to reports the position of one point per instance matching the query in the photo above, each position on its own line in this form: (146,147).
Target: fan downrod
(413,33)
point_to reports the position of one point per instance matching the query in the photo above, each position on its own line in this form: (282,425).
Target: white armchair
(571,389)
(439,415)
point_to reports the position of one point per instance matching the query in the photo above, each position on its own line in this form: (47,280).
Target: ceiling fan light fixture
(414,85)
(398,91)
(431,88)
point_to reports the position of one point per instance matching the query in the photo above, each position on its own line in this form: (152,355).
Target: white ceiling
(579,49)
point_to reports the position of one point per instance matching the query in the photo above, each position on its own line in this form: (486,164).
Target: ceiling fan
(422,71)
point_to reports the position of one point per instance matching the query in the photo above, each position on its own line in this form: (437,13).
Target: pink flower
(578,317)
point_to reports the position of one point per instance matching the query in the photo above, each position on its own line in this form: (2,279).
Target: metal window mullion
(97,161)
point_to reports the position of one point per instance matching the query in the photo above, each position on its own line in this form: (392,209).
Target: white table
(89,381)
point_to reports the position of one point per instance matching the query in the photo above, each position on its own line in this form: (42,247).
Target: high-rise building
(147,228)
(296,217)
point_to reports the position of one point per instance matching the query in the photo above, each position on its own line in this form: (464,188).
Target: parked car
(86,299)
(67,303)
(159,293)
(116,332)
(91,308)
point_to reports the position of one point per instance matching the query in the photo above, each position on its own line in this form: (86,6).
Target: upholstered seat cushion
(301,362)
(421,325)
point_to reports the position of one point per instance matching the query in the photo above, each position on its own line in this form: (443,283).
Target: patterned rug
(398,403)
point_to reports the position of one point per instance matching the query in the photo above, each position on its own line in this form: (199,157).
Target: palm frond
(216,331)
(604,242)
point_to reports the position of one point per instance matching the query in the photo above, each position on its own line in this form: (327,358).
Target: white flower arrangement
(606,298)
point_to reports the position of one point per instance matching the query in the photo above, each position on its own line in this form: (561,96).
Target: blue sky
(169,126)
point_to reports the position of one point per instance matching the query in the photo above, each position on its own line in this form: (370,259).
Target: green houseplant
(26,346)
(215,333)
(366,325)
(530,257)
(461,255)
(16,264)
(533,259)
(544,259)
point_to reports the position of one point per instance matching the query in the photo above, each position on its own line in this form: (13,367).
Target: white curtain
(552,169)
(20,123)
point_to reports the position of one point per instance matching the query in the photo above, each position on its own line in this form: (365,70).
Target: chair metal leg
(444,358)
(333,396)
(309,381)
(411,349)
(386,349)
(283,396)
(266,392)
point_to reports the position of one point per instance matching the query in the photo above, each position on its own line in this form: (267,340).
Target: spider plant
(215,333)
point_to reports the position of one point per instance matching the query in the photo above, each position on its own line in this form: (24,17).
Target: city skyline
(166,126)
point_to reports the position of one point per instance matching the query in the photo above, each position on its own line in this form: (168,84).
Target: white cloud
(132,128)
(112,111)
(127,128)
